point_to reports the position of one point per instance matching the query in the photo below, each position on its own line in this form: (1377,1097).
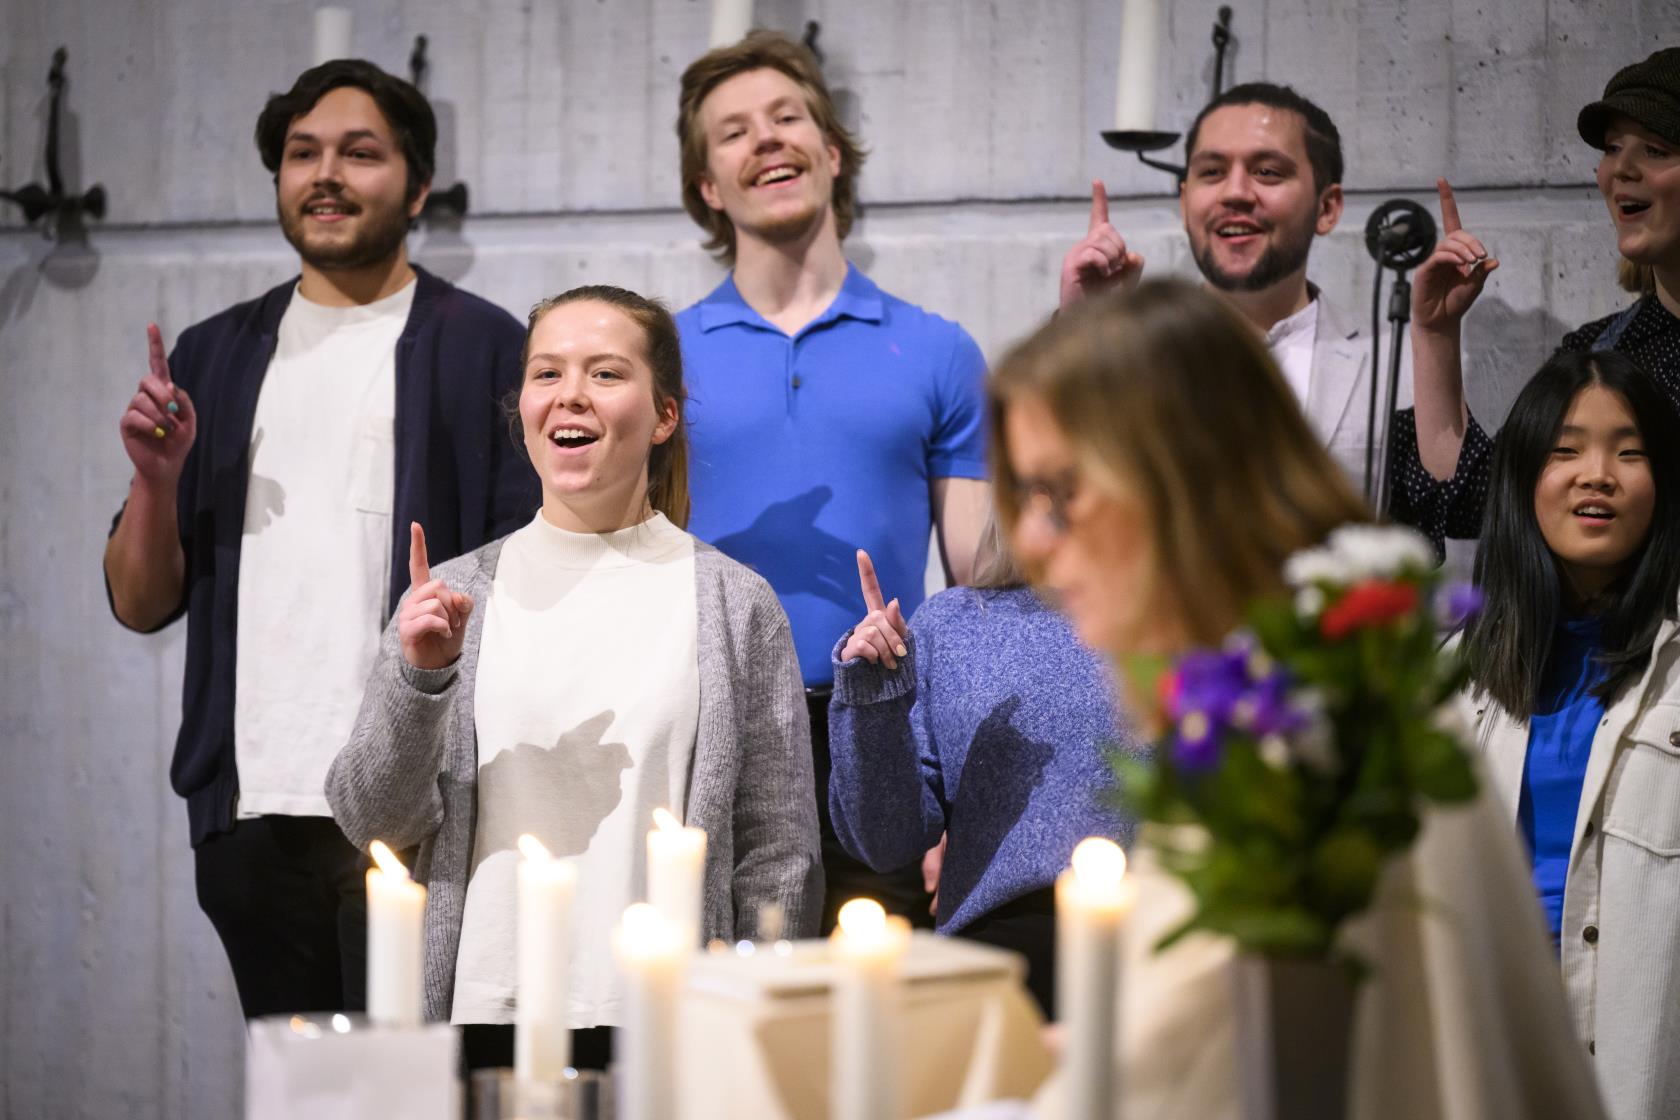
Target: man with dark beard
(280,454)
(1264,175)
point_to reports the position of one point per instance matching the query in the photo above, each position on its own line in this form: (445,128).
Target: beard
(379,234)
(1286,254)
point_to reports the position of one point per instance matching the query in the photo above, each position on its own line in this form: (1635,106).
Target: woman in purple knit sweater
(982,720)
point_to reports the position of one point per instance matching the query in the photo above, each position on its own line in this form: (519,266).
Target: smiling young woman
(575,675)
(1575,696)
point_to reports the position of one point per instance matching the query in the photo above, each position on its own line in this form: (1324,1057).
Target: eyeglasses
(1050,496)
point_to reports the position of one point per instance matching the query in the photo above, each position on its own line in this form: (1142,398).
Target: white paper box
(339,1067)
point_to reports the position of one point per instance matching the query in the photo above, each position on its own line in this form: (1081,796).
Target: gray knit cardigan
(409,773)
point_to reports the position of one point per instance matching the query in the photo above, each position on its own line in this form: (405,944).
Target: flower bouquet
(1296,762)
(1303,752)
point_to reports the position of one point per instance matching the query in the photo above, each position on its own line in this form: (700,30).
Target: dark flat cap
(1647,92)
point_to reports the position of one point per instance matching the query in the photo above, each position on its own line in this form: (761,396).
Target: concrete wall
(982,121)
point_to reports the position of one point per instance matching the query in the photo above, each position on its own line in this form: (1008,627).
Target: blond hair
(667,461)
(1640,279)
(760,50)
(1167,397)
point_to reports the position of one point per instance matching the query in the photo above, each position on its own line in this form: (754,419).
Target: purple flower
(1195,743)
(1459,603)
(1210,682)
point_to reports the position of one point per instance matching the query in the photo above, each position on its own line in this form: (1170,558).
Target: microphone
(1400,234)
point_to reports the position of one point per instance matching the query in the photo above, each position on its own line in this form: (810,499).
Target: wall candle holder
(1127,140)
(64,211)
(446,202)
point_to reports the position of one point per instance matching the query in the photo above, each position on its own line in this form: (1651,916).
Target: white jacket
(1621,903)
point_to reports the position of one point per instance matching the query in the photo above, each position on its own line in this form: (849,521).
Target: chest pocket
(373,470)
(1644,803)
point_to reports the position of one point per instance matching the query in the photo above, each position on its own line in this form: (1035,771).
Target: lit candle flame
(1098,861)
(387,860)
(863,918)
(666,822)
(533,849)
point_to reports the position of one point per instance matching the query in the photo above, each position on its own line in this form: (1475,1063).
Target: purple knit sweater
(993,730)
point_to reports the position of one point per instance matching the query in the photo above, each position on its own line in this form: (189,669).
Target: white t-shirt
(315,557)
(1291,343)
(586,701)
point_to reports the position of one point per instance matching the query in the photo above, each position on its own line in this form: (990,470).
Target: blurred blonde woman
(1153,471)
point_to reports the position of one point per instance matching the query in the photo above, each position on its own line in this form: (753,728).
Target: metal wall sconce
(62,211)
(812,30)
(1141,142)
(448,202)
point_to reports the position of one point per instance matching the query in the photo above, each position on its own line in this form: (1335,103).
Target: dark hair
(406,110)
(668,461)
(1324,142)
(760,50)
(1509,643)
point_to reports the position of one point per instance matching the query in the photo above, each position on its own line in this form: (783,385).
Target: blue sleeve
(958,447)
(883,788)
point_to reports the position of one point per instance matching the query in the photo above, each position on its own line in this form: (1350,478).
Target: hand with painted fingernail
(432,622)
(882,635)
(159,425)
(1100,261)
(1450,280)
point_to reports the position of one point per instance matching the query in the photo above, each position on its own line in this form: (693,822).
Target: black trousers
(1026,925)
(490,1046)
(899,891)
(288,898)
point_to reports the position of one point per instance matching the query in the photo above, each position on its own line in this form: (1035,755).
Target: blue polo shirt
(804,449)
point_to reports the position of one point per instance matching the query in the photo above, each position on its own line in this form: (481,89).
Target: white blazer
(1621,903)
(1338,391)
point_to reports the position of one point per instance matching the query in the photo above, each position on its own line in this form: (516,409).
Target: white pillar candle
(542,1040)
(865,1082)
(332,34)
(1092,899)
(1140,51)
(731,20)
(395,905)
(651,956)
(676,859)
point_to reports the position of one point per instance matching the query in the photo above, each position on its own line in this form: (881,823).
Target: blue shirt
(1560,738)
(994,731)
(805,449)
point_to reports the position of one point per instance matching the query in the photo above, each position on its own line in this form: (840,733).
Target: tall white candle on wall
(542,1040)
(1092,899)
(395,905)
(650,955)
(731,20)
(1140,52)
(868,950)
(332,34)
(676,874)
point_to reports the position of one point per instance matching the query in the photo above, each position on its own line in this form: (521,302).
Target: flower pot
(1294,1037)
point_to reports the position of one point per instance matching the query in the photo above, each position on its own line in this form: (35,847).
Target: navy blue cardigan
(458,472)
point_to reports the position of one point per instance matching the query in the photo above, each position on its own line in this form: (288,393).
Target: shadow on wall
(66,260)
(441,248)
(1505,346)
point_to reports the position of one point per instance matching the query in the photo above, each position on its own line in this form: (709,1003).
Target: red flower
(1371,603)
(1166,692)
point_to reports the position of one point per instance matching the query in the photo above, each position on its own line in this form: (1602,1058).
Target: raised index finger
(155,354)
(871,586)
(419,571)
(1449,208)
(1099,205)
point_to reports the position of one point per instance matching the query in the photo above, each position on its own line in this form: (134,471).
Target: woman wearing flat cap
(1620,957)
(1636,125)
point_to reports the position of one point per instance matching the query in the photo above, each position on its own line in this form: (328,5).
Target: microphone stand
(1400,236)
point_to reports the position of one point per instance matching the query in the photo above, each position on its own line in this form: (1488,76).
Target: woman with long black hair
(1576,692)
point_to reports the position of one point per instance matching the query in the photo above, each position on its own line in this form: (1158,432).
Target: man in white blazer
(1263,179)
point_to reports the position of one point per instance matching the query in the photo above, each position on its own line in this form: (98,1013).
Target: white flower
(1309,602)
(1380,551)
(1314,748)
(1313,566)
(1274,751)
